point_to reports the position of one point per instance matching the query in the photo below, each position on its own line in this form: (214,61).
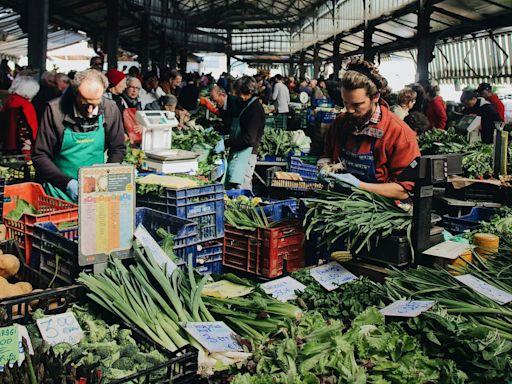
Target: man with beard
(374,144)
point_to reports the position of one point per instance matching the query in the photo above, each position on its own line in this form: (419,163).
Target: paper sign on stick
(283,289)
(215,336)
(407,308)
(332,275)
(498,295)
(61,328)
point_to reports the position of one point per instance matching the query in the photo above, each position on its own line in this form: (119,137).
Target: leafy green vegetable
(21,208)
(277,142)
(438,141)
(477,161)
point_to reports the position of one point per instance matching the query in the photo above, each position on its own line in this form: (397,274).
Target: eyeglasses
(137,88)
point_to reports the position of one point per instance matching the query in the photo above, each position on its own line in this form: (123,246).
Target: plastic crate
(326,117)
(307,171)
(19,168)
(234,193)
(19,309)
(185,196)
(208,253)
(302,187)
(265,252)
(210,267)
(477,192)
(274,209)
(281,121)
(324,103)
(52,209)
(467,222)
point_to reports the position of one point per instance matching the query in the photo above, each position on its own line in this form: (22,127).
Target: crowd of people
(52,119)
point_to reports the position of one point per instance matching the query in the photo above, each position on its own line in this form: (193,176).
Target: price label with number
(283,289)
(407,308)
(215,336)
(62,328)
(9,345)
(332,275)
(498,295)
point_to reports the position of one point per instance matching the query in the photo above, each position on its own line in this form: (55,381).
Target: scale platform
(171,161)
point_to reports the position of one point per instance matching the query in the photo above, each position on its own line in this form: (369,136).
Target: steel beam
(112,32)
(37,19)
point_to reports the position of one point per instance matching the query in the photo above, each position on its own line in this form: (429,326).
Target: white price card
(215,336)
(61,328)
(448,250)
(332,275)
(158,253)
(283,289)
(407,308)
(498,295)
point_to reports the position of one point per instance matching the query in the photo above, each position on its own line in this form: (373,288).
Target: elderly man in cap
(76,131)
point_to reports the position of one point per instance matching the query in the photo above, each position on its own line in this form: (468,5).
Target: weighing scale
(156,143)
(471,125)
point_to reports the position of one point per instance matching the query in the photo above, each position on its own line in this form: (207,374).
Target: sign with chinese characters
(61,328)
(407,308)
(214,336)
(332,275)
(283,289)
(498,295)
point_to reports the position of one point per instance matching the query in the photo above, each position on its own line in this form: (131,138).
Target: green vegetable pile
(477,161)
(21,208)
(361,217)
(277,142)
(500,225)
(320,351)
(243,213)
(440,141)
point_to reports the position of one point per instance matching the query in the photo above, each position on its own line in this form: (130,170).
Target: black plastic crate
(467,222)
(477,192)
(2,190)
(19,168)
(18,309)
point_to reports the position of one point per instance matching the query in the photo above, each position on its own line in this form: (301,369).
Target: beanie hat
(114,77)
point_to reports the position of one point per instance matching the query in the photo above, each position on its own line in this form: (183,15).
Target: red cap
(114,77)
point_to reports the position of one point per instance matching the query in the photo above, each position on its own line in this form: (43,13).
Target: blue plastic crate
(467,222)
(325,103)
(280,209)
(307,171)
(234,193)
(211,267)
(326,117)
(208,216)
(208,252)
(185,196)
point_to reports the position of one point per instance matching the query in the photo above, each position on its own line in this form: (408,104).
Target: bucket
(461,261)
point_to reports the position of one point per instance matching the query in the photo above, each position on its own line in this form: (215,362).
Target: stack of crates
(203,205)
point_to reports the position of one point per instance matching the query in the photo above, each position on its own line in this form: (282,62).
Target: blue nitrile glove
(72,189)
(219,147)
(346,179)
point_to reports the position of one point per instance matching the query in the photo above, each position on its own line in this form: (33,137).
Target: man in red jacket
(436,107)
(485,91)
(374,144)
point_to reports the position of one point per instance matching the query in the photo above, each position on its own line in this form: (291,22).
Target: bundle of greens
(477,161)
(246,216)
(277,142)
(133,156)
(344,303)
(438,141)
(21,208)
(360,218)
(316,351)
(500,225)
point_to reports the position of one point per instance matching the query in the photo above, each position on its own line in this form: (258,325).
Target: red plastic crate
(52,209)
(265,251)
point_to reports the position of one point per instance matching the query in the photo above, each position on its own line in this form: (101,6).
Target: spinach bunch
(438,141)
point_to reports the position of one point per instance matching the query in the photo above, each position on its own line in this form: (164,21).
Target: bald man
(76,131)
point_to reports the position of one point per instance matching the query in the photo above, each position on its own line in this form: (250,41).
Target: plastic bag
(130,126)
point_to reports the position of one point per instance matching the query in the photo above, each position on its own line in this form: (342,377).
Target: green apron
(238,161)
(79,149)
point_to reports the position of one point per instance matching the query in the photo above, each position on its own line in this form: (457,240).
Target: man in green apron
(245,135)
(76,131)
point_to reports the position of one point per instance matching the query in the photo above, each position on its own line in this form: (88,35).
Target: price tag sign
(158,253)
(332,275)
(283,289)
(225,288)
(62,328)
(407,308)
(214,336)
(9,345)
(498,295)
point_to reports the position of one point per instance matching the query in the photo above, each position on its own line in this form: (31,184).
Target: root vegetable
(10,290)
(9,265)
(3,232)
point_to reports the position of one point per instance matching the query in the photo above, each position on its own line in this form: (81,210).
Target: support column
(112,32)
(183,60)
(144,49)
(369,52)
(37,17)
(426,42)
(302,68)
(317,63)
(290,66)
(228,51)
(336,56)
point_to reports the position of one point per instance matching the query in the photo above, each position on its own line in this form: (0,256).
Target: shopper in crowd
(418,122)
(97,63)
(485,91)
(19,120)
(475,105)
(435,107)
(189,95)
(374,144)
(305,87)
(5,74)
(116,87)
(419,105)
(281,99)
(174,83)
(316,91)
(405,101)
(322,86)
(229,107)
(131,94)
(245,135)
(75,132)
(164,103)
(48,91)
(149,86)
(133,104)
(62,82)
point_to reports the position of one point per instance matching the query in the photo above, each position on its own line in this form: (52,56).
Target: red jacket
(13,105)
(495,100)
(395,147)
(436,113)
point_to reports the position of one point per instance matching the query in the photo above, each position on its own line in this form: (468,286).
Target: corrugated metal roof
(14,43)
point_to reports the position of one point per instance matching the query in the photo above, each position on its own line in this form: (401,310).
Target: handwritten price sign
(283,289)
(9,345)
(332,275)
(214,336)
(407,308)
(498,295)
(62,328)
